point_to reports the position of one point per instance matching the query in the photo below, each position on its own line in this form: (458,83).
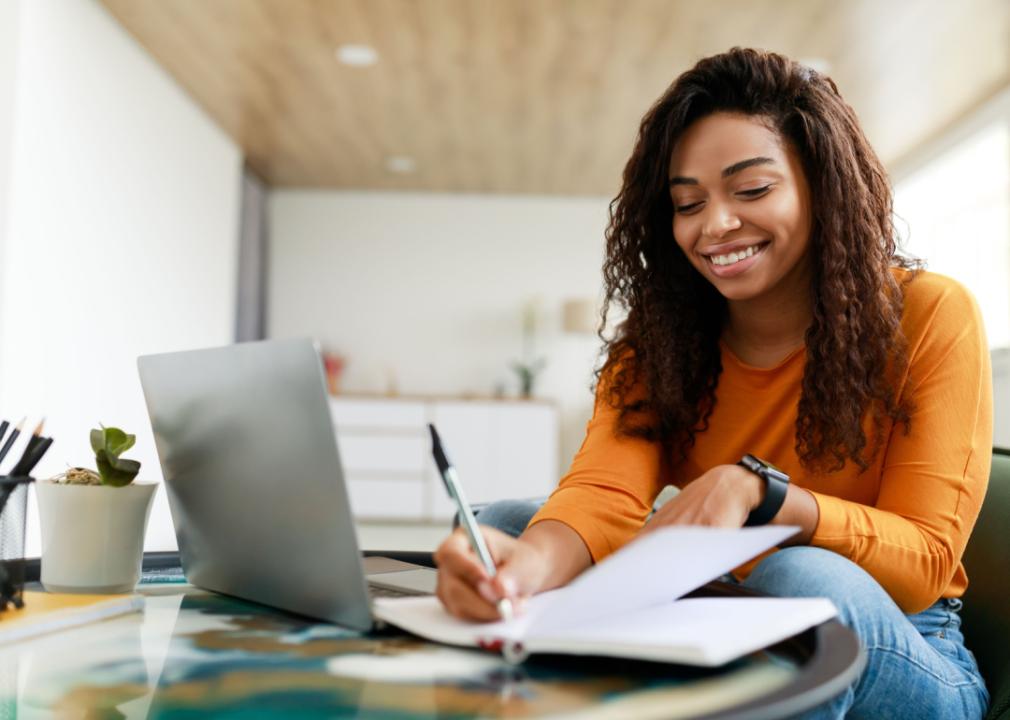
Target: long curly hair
(662,365)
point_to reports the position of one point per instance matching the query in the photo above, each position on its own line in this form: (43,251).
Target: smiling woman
(743,224)
(781,362)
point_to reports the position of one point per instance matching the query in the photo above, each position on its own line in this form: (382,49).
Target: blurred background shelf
(501,449)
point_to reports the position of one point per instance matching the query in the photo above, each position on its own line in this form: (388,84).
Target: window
(954,213)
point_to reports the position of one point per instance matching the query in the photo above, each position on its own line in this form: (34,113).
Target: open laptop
(255,484)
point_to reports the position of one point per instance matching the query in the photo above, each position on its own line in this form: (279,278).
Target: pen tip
(20,426)
(38,428)
(505,609)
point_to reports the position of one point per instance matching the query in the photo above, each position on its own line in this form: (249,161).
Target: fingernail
(487,592)
(509,586)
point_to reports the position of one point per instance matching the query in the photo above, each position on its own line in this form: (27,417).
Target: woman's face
(741,206)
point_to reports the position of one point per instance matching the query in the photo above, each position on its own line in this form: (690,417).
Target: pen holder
(13,515)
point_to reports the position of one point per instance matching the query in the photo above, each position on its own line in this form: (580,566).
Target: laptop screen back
(253,477)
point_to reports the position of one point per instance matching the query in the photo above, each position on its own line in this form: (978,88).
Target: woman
(770,315)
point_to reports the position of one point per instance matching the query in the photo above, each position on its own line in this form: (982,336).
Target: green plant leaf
(116,472)
(127,442)
(109,443)
(97,441)
(126,465)
(116,441)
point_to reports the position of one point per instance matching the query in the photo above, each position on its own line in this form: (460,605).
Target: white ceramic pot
(93,536)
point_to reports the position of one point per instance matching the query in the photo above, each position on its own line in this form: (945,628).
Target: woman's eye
(755,192)
(687,208)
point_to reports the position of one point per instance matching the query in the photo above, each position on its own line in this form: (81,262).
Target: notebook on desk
(255,484)
(628,606)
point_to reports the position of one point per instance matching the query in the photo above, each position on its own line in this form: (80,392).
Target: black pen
(37,447)
(466,518)
(10,441)
(40,449)
(3,429)
(33,442)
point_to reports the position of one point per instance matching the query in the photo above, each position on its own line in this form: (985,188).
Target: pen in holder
(13,515)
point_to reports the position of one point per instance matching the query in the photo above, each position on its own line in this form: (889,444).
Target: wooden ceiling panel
(537,96)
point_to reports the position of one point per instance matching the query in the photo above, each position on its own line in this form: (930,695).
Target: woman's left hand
(722,497)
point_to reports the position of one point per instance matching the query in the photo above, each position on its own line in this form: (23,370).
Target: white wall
(121,236)
(9,24)
(428,288)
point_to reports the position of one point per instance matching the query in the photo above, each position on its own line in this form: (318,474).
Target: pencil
(36,437)
(10,441)
(3,428)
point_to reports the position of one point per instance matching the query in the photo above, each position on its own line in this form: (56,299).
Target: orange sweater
(906,520)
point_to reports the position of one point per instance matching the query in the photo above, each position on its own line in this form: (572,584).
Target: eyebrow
(727,172)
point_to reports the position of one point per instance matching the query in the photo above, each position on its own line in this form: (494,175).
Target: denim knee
(509,516)
(901,663)
(816,572)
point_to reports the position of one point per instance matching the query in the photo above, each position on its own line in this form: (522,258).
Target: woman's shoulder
(937,309)
(926,293)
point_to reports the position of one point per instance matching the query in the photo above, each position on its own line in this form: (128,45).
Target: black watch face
(751,463)
(767,465)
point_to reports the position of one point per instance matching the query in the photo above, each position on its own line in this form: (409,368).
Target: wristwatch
(776,484)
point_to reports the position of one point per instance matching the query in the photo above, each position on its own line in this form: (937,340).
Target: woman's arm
(800,509)
(565,554)
(724,497)
(934,476)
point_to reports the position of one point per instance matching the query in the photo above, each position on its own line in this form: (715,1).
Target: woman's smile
(731,260)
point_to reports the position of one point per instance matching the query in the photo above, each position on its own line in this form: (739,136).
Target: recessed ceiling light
(400,164)
(357,55)
(817,64)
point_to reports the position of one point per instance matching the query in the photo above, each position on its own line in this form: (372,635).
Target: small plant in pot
(93,522)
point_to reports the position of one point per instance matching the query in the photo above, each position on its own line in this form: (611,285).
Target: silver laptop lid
(254,480)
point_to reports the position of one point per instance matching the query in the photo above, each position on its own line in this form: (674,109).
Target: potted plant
(93,522)
(529,366)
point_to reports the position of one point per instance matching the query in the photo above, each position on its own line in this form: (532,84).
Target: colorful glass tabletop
(192,652)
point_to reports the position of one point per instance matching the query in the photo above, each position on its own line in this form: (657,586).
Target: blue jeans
(917,665)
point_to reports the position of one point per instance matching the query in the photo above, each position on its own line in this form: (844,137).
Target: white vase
(93,536)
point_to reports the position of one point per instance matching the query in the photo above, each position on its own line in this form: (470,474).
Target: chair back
(986,612)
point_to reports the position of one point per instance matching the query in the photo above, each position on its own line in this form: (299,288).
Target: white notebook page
(655,569)
(702,631)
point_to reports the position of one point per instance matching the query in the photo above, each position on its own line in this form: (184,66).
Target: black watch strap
(776,485)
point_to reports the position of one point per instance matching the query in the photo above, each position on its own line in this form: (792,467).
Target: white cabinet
(501,449)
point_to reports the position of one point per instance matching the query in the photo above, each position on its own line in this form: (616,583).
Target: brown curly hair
(663,364)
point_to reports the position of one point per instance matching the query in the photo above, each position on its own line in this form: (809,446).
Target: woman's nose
(720,220)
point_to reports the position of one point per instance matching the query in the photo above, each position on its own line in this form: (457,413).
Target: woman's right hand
(464,586)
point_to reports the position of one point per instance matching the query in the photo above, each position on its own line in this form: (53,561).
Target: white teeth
(734,257)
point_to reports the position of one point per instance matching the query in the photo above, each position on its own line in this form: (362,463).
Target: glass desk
(192,652)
